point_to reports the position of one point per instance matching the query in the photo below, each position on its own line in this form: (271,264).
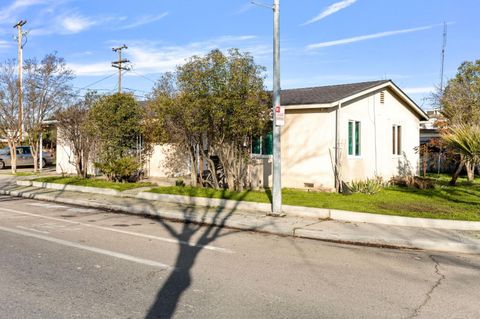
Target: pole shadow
(180,278)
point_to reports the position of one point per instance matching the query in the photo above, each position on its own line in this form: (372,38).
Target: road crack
(428,296)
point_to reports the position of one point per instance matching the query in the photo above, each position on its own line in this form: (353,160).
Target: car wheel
(2,164)
(43,163)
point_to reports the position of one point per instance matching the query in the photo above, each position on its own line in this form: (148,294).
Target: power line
(143,76)
(96,82)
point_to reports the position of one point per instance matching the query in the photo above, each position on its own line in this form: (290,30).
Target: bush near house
(117,122)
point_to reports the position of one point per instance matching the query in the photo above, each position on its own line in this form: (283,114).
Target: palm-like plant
(466,140)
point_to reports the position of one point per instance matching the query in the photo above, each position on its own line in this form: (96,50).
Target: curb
(72,188)
(261,224)
(299,211)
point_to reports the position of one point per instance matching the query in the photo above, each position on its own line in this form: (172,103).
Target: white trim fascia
(310,106)
(415,107)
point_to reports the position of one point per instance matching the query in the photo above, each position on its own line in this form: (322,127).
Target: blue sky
(323,41)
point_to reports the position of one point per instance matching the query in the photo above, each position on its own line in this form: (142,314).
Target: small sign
(279,115)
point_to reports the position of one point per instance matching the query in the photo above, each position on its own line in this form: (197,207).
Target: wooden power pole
(119,65)
(19,26)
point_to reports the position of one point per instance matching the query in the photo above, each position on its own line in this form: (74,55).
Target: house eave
(414,107)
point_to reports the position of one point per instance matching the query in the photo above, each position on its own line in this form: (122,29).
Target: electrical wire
(96,82)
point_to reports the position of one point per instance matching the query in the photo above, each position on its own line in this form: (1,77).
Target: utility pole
(279,115)
(278,112)
(20,35)
(118,65)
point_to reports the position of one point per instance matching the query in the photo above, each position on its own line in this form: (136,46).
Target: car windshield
(5,150)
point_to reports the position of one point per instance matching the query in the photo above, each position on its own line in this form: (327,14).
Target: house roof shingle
(325,94)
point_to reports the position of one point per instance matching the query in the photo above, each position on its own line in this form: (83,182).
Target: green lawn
(461,202)
(91,182)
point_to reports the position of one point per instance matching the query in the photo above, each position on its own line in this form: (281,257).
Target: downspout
(338,182)
(375,134)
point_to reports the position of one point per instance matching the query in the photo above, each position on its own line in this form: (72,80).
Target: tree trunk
(425,161)
(457,172)
(85,159)
(470,167)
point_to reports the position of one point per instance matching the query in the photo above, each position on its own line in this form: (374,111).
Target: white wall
(377,119)
(65,162)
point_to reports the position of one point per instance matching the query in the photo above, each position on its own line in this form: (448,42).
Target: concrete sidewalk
(306,227)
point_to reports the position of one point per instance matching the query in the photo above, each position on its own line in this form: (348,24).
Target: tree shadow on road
(208,228)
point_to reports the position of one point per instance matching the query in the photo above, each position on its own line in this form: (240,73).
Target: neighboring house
(429,129)
(352,131)
(331,134)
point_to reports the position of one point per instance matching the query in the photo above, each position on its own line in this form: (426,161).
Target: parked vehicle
(24,157)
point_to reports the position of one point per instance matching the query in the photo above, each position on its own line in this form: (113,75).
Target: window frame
(262,139)
(397,140)
(354,139)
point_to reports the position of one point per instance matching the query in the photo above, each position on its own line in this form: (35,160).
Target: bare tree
(47,86)
(9,110)
(73,132)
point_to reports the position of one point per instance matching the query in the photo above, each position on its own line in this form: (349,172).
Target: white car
(24,157)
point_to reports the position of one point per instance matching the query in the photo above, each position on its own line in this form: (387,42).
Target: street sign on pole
(279,115)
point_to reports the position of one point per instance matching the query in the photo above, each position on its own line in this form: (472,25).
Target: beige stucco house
(332,135)
(340,133)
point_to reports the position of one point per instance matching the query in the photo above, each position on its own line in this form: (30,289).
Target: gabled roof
(325,94)
(333,95)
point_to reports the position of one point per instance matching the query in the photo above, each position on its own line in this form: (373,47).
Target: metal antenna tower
(444,46)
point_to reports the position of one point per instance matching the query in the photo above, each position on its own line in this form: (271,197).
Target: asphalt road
(59,261)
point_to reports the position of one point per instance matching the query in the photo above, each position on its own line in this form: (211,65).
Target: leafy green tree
(116,121)
(461,105)
(213,105)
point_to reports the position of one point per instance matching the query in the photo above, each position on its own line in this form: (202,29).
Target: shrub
(125,169)
(369,186)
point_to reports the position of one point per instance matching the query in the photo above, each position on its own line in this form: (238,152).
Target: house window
(396,140)
(263,145)
(354,138)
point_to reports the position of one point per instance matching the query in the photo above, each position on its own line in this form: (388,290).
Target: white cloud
(93,69)
(144,20)
(5,44)
(331,10)
(153,57)
(75,23)
(366,37)
(245,8)
(9,13)
(419,90)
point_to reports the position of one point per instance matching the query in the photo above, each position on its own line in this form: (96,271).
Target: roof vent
(382,97)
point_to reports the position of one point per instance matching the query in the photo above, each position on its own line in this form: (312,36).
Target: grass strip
(91,182)
(461,202)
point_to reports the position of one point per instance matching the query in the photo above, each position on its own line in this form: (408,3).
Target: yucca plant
(369,186)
